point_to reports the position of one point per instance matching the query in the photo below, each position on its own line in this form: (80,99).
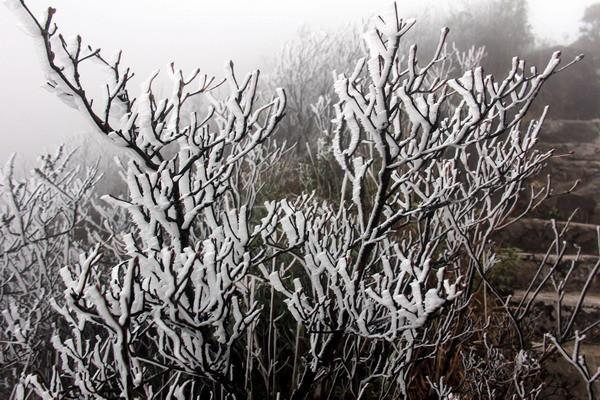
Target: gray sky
(204,33)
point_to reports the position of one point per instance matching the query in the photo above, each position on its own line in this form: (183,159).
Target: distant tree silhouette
(589,40)
(577,96)
(502,26)
(590,28)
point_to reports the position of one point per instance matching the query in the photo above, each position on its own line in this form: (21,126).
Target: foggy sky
(192,33)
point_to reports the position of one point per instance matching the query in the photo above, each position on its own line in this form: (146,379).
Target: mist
(154,33)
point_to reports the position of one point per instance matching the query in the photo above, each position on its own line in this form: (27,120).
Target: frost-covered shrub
(364,296)
(39,218)
(306,69)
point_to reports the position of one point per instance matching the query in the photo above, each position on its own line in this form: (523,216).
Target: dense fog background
(154,33)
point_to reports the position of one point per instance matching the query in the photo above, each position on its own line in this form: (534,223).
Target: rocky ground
(576,147)
(577,157)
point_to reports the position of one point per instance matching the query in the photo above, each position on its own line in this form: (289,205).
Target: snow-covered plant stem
(175,302)
(376,281)
(39,215)
(426,189)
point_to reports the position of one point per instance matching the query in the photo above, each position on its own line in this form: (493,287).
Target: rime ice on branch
(192,189)
(378,279)
(432,168)
(39,215)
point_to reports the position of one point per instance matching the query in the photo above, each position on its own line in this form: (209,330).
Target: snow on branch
(377,279)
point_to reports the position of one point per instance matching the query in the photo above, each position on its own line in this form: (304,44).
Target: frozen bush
(217,296)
